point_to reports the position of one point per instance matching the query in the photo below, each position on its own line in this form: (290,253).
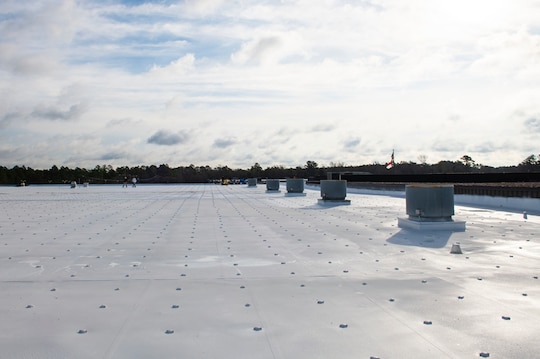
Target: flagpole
(390,164)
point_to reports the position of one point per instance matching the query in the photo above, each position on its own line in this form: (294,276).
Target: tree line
(107,174)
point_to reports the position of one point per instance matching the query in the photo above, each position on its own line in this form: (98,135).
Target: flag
(391,163)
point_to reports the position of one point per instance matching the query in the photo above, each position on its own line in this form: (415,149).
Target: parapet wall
(495,200)
(520,190)
(530,205)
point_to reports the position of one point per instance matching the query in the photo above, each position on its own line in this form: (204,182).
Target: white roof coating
(211,271)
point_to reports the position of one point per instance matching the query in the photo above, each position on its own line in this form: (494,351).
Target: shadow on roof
(329,205)
(431,239)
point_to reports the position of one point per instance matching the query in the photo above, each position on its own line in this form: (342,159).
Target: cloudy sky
(234,82)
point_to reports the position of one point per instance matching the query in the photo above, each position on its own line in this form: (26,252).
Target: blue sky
(214,82)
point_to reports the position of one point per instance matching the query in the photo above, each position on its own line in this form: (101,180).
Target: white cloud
(510,53)
(167,138)
(270,48)
(55,113)
(202,8)
(176,68)
(285,81)
(225,142)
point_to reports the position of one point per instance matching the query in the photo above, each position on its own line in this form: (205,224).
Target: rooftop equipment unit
(295,185)
(333,191)
(430,202)
(430,206)
(272,185)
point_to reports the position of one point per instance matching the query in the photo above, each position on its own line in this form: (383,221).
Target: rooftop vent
(430,206)
(430,202)
(456,248)
(252,182)
(272,185)
(334,191)
(295,185)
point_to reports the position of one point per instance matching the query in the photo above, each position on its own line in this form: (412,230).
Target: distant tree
(19,173)
(164,170)
(206,173)
(241,173)
(192,173)
(467,161)
(448,167)
(531,160)
(223,172)
(409,168)
(311,168)
(337,164)
(275,172)
(54,175)
(530,163)
(150,171)
(123,171)
(256,170)
(101,174)
(182,174)
(66,174)
(80,173)
(4,175)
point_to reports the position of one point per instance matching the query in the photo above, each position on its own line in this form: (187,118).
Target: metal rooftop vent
(272,184)
(333,191)
(295,185)
(430,202)
(430,206)
(456,248)
(252,182)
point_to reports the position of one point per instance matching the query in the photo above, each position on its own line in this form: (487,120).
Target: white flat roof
(211,271)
